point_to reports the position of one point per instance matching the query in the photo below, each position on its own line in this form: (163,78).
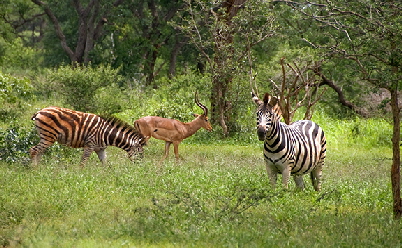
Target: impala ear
(196,115)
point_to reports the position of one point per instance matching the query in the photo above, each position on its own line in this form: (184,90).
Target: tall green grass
(219,196)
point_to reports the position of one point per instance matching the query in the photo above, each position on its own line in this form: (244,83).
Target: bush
(16,56)
(78,85)
(15,93)
(15,143)
(175,97)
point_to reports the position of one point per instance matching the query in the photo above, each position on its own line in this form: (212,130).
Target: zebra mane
(114,121)
(276,109)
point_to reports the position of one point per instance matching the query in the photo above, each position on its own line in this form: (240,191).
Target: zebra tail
(34,116)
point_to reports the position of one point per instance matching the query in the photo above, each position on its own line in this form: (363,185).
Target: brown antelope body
(172,131)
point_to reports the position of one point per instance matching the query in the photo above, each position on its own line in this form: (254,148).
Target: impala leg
(85,156)
(167,146)
(176,150)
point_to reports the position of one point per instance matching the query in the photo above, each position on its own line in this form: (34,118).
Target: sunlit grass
(218,195)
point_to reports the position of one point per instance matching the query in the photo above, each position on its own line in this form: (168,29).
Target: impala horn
(197,101)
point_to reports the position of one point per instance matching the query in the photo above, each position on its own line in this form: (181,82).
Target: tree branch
(341,96)
(57,28)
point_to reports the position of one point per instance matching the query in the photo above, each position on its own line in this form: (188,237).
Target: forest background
(148,57)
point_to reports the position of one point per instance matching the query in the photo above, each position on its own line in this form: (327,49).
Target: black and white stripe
(295,149)
(92,132)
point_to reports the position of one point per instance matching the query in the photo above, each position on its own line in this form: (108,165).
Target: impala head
(204,117)
(265,113)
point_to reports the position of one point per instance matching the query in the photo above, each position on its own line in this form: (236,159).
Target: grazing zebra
(297,149)
(77,129)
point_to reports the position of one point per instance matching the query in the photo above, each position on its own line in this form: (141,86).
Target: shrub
(15,143)
(78,85)
(15,93)
(15,56)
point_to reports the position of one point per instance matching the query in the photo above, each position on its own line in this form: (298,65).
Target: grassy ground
(219,196)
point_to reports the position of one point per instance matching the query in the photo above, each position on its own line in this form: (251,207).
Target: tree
(224,34)
(89,26)
(299,87)
(19,18)
(154,33)
(366,33)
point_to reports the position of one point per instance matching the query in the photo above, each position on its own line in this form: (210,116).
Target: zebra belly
(280,162)
(69,142)
(276,161)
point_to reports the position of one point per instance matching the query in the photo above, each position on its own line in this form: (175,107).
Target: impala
(172,131)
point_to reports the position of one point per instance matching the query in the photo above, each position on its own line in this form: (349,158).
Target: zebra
(295,149)
(92,132)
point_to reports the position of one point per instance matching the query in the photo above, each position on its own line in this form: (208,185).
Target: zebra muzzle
(261,133)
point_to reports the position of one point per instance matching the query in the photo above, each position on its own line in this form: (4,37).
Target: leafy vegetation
(79,85)
(142,59)
(14,96)
(218,196)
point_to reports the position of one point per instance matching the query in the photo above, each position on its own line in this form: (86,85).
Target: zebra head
(266,113)
(136,150)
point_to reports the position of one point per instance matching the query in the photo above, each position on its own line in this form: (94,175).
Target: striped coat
(83,130)
(296,149)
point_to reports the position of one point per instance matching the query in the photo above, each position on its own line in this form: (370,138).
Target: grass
(219,196)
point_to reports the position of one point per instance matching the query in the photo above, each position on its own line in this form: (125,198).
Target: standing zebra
(77,129)
(297,149)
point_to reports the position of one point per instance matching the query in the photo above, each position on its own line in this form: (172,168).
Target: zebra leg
(286,176)
(37,151)
(101,152)
(316,178)
(35,156)
(299,181)
(316,174)
(272,173)
(85,156)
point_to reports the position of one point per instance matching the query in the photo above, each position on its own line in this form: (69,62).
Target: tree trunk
(219,111)
(396,154)
(223,52)
(89,30)
(180,42)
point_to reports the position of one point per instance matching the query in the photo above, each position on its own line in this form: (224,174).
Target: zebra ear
(267,98)
(273,101)
(255,98)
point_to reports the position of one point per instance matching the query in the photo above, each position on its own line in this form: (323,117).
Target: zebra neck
(117,136)
(274,133)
